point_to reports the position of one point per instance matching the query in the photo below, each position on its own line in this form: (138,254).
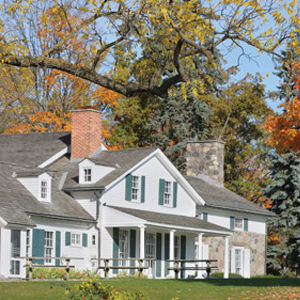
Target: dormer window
(87,174)
(44,187)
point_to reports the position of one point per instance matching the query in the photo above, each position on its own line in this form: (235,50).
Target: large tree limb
(128,89)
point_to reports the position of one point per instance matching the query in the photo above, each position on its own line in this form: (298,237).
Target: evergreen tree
(285,193)
(176,122)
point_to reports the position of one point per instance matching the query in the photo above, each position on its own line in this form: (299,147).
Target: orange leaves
(40,122)
(284,129)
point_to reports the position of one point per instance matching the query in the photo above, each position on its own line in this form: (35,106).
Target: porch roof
(174,221)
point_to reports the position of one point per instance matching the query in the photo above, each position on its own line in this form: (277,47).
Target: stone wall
(253,241)
(206,158)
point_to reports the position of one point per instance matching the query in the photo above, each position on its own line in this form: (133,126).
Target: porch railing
(107,265)
(179,265)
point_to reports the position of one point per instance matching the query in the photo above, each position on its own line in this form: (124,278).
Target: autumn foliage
(284,128)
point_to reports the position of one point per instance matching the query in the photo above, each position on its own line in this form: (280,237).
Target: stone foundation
(253,241)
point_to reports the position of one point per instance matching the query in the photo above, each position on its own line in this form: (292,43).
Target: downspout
(99,208)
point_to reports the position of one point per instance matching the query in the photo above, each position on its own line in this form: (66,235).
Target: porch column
(142,241)
(200,254)
(171,247)
(226,257)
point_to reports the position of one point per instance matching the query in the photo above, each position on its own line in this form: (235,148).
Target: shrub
(221,275)
(60,273)
(94,290)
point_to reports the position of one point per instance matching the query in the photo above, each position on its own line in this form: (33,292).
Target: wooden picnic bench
(67,266)
(108,267)
(177,268)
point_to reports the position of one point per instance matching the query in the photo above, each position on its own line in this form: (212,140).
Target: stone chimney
(206,158)
(86,134)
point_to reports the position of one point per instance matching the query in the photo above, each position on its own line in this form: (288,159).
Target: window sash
(150,248)
(134,187)
(44,189)
(48,246)
(238,223)
(87,174)
(167,193)
(123,246)
(238,261)
(75,239)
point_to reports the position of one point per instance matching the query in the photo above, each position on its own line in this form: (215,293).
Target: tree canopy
(130,46)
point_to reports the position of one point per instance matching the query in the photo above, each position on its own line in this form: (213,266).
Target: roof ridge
(34,133)
(131,149)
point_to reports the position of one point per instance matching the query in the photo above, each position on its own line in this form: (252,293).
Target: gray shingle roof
(220,197)
(175,220)
(17,203)
(32,149)
(122,160)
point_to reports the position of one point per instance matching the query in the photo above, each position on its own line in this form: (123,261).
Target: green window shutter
(231,222)
(38,245)
(175,194)
(143,184)
(68,238)
(158,254)
(167,252)
(132,249)
(182,253)
(84,240)
(57,247)
(161,191)
(128,183)
(245,224)
(115,248)
(205,216)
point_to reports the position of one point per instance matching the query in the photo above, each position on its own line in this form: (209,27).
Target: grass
(258,288)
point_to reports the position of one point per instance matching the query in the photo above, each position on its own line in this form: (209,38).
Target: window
(27,242)
(123,246)
(176,247)
(44,189)
(150,248)
(134,187)
(87,174)
(238,261)
(48,245)
(75,239)
(15,242)
(238,223)
(167,193)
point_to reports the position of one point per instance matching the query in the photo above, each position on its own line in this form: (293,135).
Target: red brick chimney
(86,134)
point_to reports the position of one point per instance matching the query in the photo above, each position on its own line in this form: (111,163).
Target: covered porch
(158,238)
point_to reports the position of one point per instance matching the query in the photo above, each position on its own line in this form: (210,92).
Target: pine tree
(285,193)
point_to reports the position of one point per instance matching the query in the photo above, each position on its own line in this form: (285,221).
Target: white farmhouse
(65,195)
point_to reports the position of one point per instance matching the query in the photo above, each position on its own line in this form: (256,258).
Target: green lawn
(169,289)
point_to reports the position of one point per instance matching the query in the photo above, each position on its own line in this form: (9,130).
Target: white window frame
(135,188)
(87,174)
(28,243)
(49,246)
(168,193)
(240,222)
(123,246)
(15,263)
(44,195)
(234,266)
(150,244)
(177,247)
(75,239)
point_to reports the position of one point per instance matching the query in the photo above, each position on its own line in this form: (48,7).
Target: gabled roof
(32,149)
(17,203)
(121,160)
(173,220)
(219,197)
